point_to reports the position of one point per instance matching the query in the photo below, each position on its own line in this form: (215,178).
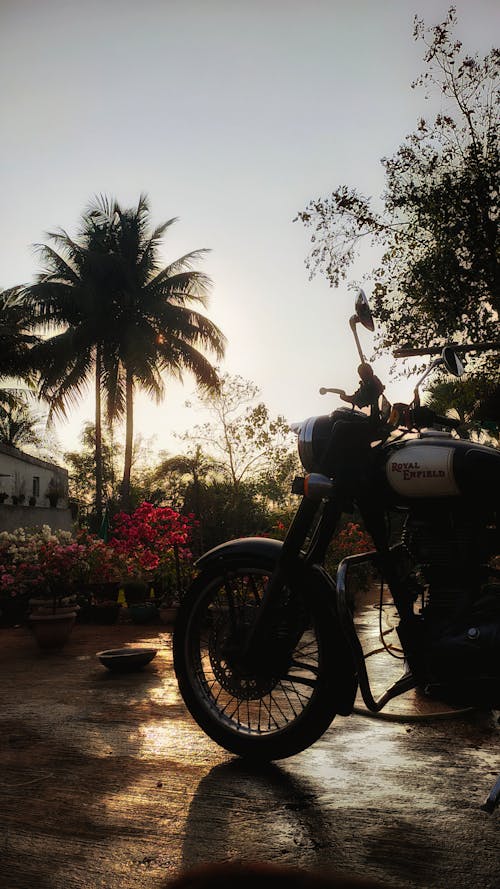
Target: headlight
(314,435)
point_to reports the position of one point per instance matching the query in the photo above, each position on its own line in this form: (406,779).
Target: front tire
(286,702)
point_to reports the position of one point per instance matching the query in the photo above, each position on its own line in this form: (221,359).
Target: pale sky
(230,115)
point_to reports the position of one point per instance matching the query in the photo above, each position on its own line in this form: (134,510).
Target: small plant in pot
(140,606)
(53,605)
(55,491)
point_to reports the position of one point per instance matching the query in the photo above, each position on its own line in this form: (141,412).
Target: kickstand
(493,799)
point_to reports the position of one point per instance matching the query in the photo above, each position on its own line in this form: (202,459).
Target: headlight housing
(313,437)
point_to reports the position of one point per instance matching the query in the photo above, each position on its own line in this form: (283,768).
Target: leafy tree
(144,484)
(468,399)
(246,442)
(82,476)
(229,513)
(438,224)
(186,477)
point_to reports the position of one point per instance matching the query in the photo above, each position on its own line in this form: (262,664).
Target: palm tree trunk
(98,440)
(129,440)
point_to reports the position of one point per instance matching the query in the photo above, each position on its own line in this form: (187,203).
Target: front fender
(242,547)
(319,587)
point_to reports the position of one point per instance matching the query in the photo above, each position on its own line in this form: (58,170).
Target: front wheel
(285,702)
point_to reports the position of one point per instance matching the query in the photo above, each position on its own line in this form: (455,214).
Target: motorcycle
(266,651)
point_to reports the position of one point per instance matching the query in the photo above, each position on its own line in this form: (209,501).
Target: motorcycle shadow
(261,813)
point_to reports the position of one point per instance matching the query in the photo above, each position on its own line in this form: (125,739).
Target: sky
(231,115)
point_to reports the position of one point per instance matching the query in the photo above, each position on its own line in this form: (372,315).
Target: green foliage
(472,400)
(81,467)
(438,229)
(237,472)
(228,513)
(82,480)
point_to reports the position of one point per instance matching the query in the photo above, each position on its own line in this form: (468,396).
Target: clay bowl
(125,660)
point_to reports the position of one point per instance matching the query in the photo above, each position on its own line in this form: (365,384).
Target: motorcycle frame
(345,614)
(314,554)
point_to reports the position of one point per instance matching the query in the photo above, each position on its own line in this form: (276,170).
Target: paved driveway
(106,782)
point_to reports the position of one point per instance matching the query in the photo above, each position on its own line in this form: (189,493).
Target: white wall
(13,517)
(19,475)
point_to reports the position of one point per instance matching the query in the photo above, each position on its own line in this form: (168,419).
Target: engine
(453,551)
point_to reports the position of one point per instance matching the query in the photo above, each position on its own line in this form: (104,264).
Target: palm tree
(20,425)
(124,319)
(155,327)
(72,295)
(16,339)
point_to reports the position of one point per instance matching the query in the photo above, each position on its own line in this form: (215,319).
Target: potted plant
(53,605)
(168,607)
(3,496)
(140,606)
(39,566)
(55,491)
(98,579)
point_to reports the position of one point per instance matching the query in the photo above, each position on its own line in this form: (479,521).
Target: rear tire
(274,711)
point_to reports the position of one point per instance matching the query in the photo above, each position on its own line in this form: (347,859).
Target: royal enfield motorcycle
(266,651)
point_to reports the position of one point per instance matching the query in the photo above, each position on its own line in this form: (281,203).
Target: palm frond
(149,259)
(183,286)
(101,211)
(192,327)
(180,356)
(183,264)
(57,267)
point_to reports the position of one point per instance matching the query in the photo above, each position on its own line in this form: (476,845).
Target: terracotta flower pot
(145,613)
(51,631)
(168,614)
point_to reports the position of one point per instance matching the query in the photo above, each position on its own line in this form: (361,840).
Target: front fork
(287,566)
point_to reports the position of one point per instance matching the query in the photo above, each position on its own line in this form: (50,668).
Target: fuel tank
(436,466)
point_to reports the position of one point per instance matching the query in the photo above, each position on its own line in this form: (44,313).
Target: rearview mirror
(363,311)
(451,361)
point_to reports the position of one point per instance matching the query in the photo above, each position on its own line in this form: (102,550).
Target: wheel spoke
(258,703)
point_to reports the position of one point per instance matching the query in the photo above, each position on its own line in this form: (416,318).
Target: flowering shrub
(98,562)
(350,541)
(22,554)
(154,544)
(52,563)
